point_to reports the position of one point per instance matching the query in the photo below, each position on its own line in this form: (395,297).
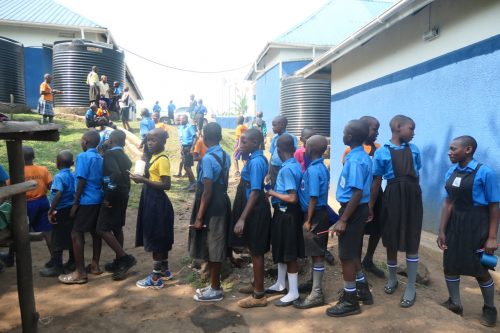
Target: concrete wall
(448,88)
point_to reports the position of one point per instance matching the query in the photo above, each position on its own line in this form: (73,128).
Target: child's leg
(453,285)
(96,249)
(280,284)
(392,264)
(118,233)
(368,264)
(489,315)
(215,274)
(318,272)
(47,235)
(411,269)
(113,243)
(258,275)
(78,251)
(293,290)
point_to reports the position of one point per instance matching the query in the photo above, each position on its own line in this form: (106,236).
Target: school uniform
(89,168)
(471,190)
(275,161)
(286,234)
(356,174)
(37,203)
(256,233)
(315,184)
(116,165)
(63,182)
(187,134)
(210,243)
(155,219)
(402,210)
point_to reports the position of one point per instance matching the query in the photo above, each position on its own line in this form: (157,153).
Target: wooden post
(20,231)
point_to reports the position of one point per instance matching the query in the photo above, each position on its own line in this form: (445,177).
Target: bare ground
(103,305)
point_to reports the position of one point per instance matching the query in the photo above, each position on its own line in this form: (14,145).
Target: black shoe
(53,271)
(276,292)
(330,259)
(346,306)
(363,293)
(8,259)
(306,287)
(390,290)
(124,264)
(458,309)
(313,300)
(111,267)
(407,303)
(489,316)
(69,266)
(49,264)
(369,266)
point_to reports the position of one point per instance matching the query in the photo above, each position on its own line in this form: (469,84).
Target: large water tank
(73,60)
(306,103)
(11,71)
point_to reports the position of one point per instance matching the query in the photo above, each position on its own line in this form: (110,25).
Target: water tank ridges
(306,103)
(11,71)
(73,60)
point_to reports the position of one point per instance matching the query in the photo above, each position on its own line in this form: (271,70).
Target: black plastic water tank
(73,60)
(306,103)
(11,71)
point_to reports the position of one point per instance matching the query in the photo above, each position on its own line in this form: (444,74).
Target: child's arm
(53,205)
(205,201)
(491,244)
(353,203)
(377,181)
(445,217)
(79,190)
(164,184)
(290,197)
(240,225)
(313,201)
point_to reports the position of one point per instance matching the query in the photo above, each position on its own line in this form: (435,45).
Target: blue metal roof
(334,22)
(42,12)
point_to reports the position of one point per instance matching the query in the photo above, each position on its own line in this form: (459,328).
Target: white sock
(281,281)
(293,289)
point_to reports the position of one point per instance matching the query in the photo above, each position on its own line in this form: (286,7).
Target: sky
(197,35)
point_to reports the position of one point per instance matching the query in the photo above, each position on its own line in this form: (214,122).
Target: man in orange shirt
(46,101)
(240,129)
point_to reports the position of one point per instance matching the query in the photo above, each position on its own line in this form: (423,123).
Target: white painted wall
(460,22)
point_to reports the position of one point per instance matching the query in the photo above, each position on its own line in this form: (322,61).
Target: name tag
(456,182)
(342,181)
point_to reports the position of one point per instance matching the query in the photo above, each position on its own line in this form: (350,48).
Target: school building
(435,61)
(37,24)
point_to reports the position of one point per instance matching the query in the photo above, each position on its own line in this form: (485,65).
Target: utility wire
(184,69)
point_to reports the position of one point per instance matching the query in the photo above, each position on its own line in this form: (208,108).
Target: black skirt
(402,214)
(61,232)
(286,234)
(466,232)
(155,221)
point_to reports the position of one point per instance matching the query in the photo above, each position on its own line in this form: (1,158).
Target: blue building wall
(455,94)
(230,122)
(290,67)
(37,62)
(267,91)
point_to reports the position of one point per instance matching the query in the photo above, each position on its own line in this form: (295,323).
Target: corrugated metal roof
(334,22)
(42,12)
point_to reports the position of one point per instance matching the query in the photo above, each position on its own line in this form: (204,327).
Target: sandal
(405,303)
(93,270)
(72,279)
(390,290)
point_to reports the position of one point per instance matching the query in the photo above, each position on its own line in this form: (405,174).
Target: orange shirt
(42,176)
(240,129)
(45,87)
(161,125)
(367,149)
(200,147)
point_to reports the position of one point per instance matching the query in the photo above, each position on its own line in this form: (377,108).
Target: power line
(184,69)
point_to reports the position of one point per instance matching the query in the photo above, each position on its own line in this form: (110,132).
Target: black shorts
(187,156)
(61,232)
(352,237)
(113,218)
(125,113)
(86,218)
(316,239)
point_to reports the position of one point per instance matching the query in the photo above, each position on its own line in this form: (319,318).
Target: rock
(423,274)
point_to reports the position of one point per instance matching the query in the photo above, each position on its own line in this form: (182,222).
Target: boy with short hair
(211,213)
(279,128)
(112,214)
(353,194)
(187,134)
(313,198)
(85,209)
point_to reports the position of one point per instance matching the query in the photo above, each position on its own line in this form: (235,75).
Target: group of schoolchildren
(295,183)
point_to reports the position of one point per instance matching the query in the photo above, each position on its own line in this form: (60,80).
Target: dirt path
(103,305)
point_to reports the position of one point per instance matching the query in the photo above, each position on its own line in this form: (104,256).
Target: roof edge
(50,25)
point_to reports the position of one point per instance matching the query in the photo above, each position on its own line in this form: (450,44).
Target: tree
(240,106)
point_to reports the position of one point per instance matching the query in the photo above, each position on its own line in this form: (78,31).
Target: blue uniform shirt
(157,108)
(3,175)
(288,179)
(89,167)
(210,168)
(382,163)
(275,159)
(201,109)
(356,174)
(63,182)
(171,108)
(485,188)
(254,172)
(314,184)
(146,125)
(186,134)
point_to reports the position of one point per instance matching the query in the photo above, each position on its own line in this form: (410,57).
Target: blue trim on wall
(486,46)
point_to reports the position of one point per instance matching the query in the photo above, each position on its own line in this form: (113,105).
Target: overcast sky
(193,34)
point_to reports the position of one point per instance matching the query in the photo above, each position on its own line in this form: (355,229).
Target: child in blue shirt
(286,234)
(211,212)
(353,194)
(399,162)
(62,194)
(469,225)
(252,213)
(85,208)
(313,198)
(279,128)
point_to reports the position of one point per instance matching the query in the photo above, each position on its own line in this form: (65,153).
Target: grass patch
(194,279)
